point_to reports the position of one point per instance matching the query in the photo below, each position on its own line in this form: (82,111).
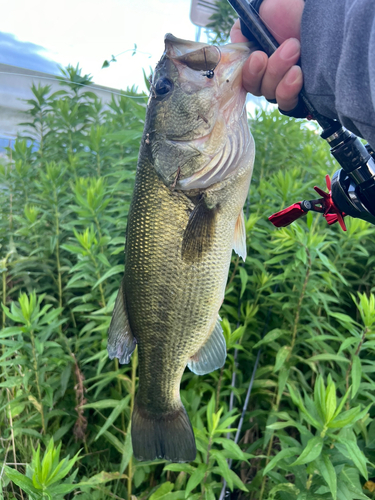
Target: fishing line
(92,87)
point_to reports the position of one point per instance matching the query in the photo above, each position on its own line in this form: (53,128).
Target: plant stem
(98,164)
(134,372)
(4,295)
(309,481)
(349,370)
(35,363)
(269,449)
(206,473)
(233,273)
(103,301)
(296,319)
(13,443)
(58,249)
(120,391)
(218,389)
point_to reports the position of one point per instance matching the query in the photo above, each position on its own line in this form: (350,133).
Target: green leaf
(281,357)
(163,490)
(104,403)
(223,467)
(341,404)
(311,452)
(195,478)
(101,478)
(237,481)
(356,374)
(289,488)
(282,425)
(23,482)
(328,472)
(269,337)
(329,357)
(244,277)
(124,403)
(114,441)
(232,447)
(286,453)
(345,418)
(63,469)
(128,450)
(320,398)
(61,489)
(180,468)
(330,400)
(349,479)
(114,270)
(344,318)
(356,456)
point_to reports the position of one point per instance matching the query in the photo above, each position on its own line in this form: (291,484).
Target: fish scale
(179,243)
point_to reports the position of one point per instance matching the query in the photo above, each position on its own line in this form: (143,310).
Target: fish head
(195,107)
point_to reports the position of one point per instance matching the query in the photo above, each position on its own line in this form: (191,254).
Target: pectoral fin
(212,354)
(198,234)
(239,243)
(121,342)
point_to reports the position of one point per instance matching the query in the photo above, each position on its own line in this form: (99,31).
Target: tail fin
(168,436)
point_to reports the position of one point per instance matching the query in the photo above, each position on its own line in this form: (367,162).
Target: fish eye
(163,86)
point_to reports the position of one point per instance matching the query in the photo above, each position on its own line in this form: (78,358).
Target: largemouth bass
(193,175)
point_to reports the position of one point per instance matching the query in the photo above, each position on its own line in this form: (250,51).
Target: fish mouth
(177,47)
(202,57)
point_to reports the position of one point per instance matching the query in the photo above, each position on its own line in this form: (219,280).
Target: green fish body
(192,179)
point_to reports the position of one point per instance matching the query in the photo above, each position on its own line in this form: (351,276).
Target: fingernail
(294,75)
(290,49)
(256,64)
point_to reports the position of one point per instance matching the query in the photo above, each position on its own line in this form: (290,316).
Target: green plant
(298,318)
(46,478)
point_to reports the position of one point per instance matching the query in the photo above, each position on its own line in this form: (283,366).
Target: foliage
(304,298)
(221,22)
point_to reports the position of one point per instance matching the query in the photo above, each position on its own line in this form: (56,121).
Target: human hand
(276,77)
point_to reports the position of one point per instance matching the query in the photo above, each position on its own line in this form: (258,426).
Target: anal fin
(212,354)
(121,341)
(239,243)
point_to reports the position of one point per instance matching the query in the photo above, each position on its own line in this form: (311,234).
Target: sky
(41,34)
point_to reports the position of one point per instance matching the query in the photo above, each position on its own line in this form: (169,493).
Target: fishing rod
(351,191)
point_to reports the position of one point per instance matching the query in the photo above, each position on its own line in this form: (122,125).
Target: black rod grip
(250,18)
(252,21)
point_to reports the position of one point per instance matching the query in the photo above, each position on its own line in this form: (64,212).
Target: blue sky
(24,54)
(40,34)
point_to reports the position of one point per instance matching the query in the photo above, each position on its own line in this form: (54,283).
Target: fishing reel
(351,191)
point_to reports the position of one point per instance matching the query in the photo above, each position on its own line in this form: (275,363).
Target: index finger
(236,35)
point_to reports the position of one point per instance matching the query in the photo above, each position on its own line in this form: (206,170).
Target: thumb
(282,18)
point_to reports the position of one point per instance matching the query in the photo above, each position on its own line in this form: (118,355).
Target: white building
(15,87)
